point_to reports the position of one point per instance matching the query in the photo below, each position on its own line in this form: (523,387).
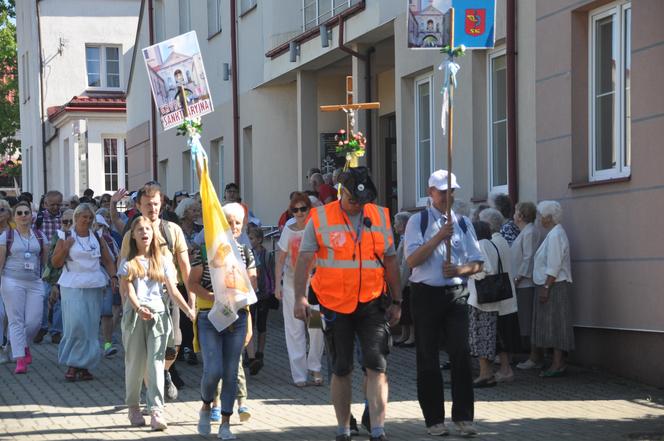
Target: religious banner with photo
(474,23)
(175,68)
(429,24)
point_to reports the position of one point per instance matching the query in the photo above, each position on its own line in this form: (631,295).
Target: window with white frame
(185,16)
(214,17)
(115,164)
(423,135)
(247,5)
(315,12)
(610,68)
(103,66)
(497,119)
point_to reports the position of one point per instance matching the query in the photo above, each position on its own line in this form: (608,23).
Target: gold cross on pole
(350,107)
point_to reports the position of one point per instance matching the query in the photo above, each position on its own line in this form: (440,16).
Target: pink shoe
(28,355)
(136,419)
(21,366)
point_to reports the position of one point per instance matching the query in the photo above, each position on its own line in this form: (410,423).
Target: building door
(389,131)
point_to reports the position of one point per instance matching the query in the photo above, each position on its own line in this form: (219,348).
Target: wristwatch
(397,302)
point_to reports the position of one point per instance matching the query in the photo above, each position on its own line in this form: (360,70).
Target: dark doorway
(389,131)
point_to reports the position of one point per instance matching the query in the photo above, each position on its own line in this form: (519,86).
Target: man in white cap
(438,299)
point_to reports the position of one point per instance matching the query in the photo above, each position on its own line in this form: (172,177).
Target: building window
(185,16)
(247,5)
(103,66)
(423,135)
(214,17)
(111,164)
(497,118)
(610,83)
(315,12)
(115,164)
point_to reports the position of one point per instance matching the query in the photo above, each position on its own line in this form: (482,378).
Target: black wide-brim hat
(358,182)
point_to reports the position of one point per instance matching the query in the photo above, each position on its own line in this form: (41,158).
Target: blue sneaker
(215,414)
(204,422)
(245,415)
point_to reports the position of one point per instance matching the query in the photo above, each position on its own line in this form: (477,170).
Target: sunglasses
(22,213)
(304,209)
(67,222)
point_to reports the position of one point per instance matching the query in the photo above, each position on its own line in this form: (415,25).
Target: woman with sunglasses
(82,286)
(296,332)
(22,254)
(5,224)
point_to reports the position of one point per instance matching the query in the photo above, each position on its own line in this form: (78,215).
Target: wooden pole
(450,138)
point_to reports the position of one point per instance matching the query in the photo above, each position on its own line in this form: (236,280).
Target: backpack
(424,222)
(51,275)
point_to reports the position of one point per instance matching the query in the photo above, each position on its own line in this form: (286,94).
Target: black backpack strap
(424,221)
(10,241)
(166,233)
(463,224)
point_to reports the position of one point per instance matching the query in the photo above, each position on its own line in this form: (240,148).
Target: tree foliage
(9,100)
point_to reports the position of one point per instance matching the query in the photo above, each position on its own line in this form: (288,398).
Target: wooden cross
(350,107)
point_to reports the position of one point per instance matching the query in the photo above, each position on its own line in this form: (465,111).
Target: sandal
(318,378)
(485,382)
(70,375)
(84,375)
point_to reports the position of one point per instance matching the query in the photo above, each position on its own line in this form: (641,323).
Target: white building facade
(285,72)
(74,59)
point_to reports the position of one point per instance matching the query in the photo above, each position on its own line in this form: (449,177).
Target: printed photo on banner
(175,68)
(429,23)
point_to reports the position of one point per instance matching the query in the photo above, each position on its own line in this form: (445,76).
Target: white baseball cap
(101,221)
(438,179)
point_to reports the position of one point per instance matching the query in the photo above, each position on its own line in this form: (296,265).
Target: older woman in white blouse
(552,314)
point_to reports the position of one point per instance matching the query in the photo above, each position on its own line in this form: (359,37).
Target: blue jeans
(56,320)
(221,356)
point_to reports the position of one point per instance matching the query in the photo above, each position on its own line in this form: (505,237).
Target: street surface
(585,405)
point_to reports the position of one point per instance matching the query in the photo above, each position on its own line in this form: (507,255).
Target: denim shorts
(110,300)
(367,325)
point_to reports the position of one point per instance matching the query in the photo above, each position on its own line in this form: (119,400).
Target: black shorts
(368,323)
(259,311)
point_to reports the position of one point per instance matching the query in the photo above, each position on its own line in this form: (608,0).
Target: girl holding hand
(145,321)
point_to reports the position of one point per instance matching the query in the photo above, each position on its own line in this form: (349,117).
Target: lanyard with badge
(92,249)
(27,255)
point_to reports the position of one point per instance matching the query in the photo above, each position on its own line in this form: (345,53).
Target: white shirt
(504,307)
(289,243)
(465,248)
(523,254)
(552,258)
(82,267)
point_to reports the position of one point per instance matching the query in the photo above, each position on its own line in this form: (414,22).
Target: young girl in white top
(145,321)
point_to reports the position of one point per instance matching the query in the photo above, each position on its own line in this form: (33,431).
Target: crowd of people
(135,264)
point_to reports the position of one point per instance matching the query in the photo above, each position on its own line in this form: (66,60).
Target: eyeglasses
(67,221)
(304,209)
(22,213)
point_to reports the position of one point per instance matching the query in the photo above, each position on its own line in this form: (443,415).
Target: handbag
(494,287)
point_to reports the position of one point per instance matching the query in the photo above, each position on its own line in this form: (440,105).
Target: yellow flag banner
(230,281)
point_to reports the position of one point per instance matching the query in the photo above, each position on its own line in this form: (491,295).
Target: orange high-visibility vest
(347,270)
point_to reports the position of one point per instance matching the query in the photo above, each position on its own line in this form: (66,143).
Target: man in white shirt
(438,299)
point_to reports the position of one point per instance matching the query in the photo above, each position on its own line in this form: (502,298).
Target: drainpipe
(153,107)
(236,109)
(512,141)
(41,97)
(368,84)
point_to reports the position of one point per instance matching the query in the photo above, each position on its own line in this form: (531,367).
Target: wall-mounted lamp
(325,36)
(294,50)
(226,71)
